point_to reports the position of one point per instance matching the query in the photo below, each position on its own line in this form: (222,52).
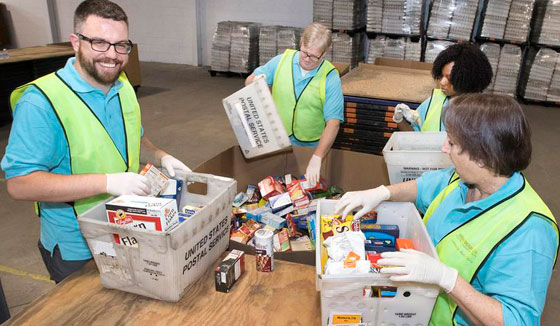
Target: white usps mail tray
(255,121)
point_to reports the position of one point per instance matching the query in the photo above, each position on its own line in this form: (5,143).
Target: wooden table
(287,296)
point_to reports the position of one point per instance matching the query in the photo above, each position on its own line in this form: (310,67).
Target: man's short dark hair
(101,8)
(492,129)
(471,72)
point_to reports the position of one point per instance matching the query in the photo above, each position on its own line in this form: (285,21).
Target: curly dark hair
(471,72)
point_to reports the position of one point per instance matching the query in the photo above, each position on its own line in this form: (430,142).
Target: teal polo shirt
(518,272)
(334,100)
(37,143)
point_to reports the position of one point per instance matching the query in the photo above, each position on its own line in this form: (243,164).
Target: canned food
(264,252)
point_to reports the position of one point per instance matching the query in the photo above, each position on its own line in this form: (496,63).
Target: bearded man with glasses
(308,94)
(77,137)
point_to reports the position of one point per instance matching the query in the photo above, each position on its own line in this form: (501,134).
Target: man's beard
(90,67)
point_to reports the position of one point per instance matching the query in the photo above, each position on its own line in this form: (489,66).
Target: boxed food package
(149,213)
(229,270)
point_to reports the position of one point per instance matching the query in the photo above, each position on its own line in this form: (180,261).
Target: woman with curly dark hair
(460,69)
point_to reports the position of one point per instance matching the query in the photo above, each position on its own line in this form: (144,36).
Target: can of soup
(264,252)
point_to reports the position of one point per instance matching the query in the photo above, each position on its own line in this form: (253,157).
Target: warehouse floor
(183,114)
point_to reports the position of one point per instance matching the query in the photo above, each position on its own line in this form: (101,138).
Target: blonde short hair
(317,35)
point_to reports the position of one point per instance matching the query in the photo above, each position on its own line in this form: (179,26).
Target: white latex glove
(398,114)
(263,76)
(402,110)
(127,183)
(415,266)
(313,171)
(171,164)
(367,199)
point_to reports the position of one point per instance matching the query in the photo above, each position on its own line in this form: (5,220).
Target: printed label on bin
(409,173)
(241,113)
(255,120)
(195,254)
(103,248)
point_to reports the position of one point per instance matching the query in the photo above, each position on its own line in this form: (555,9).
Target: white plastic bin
(413,302)
(252,114)
(408,154)
(165,263)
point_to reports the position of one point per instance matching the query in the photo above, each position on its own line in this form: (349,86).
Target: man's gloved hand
(411,265)
(127,183)
(402,110)
(313,171)
(172,164)
(367,199)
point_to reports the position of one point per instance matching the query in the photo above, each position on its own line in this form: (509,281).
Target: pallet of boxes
(158,245)
(371,92)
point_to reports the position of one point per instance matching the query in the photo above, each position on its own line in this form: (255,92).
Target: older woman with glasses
(496,239)
(307,93)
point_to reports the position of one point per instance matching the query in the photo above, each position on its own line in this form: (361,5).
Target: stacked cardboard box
(519,20)
(374,16)
(323,12)
(221,46)
(548,22)
(394,16)
(494,24)
(287,38)
(403,48)
(554,90)
(244,53)
(267,43)
(274,40)
(452,19)
(507,73)
(348,14)
(433,48)
(346,48)
(540,74)
(492,51)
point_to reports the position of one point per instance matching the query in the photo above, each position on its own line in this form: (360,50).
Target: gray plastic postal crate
(408,154)
(413,302)
(163,264)
(255,121)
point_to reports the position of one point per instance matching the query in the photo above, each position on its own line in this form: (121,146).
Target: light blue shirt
(518,272)
(334,100)
(37,143)
(423,109)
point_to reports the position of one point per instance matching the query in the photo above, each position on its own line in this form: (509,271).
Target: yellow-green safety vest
(90,146)
(302,117)
(432,120)
(467,247)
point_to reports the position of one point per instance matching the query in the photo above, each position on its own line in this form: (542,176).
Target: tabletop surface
(286,296)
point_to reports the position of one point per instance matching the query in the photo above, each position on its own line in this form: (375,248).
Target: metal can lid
(264,233)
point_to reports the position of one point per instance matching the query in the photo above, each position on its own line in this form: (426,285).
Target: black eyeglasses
(311,56)
(103,46)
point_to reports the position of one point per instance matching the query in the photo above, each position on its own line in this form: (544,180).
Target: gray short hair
(317,35)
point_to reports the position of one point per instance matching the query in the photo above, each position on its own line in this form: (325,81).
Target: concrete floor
(183,114)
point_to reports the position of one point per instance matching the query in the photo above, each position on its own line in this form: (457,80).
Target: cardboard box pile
(507,73)
(402,48)
(547,22)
